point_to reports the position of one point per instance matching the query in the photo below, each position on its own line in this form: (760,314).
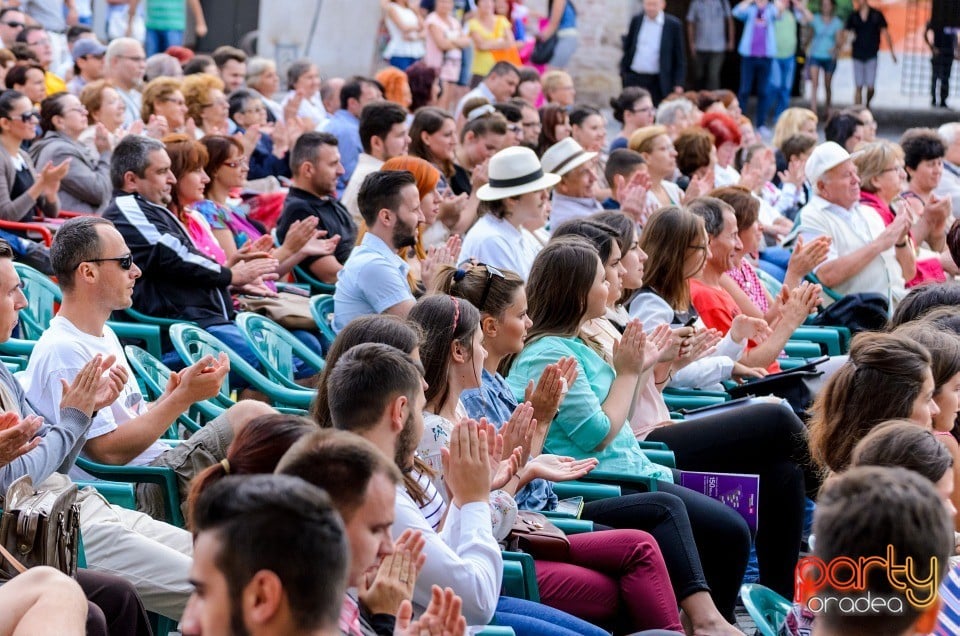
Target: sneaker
(765,133)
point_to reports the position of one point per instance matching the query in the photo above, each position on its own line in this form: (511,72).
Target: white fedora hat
(512,172)
(564,156)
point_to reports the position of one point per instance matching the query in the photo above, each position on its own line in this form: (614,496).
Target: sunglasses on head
(491,272)
(125,262)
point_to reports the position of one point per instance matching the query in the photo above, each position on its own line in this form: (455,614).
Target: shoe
(765,133)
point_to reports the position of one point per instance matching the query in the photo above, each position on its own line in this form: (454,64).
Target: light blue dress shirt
(373,280)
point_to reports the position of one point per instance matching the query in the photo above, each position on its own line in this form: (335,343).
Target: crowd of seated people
(477,315)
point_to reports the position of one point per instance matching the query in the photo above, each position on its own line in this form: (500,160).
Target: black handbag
(856,312)
(543,50)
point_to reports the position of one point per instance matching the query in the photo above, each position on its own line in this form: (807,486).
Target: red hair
(722,127)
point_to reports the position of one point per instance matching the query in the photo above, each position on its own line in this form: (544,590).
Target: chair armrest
(119,494)
(610,476)
(39,228)
(17,347)
(573,526)
(645,445)
(164,477)
(662,457)
(589,492)
(802,349)
(526,587)
(496,630)
(825,336)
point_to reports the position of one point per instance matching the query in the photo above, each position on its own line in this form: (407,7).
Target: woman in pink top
(445,43)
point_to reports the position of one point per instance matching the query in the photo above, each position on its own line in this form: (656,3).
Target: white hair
(949,133)
(668,112)
(119,47)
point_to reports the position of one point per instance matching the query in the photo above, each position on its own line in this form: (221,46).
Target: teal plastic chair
(275,348)
(317,286)
(43,295)
(767,608)
(520,577)
(162,476)
(677,399)
(321,307)
(153,375)
(192,343)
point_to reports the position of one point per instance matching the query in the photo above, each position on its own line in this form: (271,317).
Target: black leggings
(705,544)
(759,439)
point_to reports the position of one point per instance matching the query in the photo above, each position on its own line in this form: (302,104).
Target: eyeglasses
(515,129)
(894,169)
(125,262)
(491,272)
(237,164)
(647,109)
(30,114)
(173,100)
(532,124)
(132,58)
(255,109)
(15,25)
(216,102)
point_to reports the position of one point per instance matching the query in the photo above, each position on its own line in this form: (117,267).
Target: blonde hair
(551,81)
(874,159)
(196,92)
(789,123)
(642,139)
(156,90)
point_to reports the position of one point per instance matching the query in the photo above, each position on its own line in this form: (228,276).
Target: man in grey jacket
(154,556)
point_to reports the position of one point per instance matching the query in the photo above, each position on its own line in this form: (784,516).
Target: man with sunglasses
(12,22)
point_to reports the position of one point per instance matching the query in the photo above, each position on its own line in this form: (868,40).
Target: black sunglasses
(30,114)
(491,272)
(125,262)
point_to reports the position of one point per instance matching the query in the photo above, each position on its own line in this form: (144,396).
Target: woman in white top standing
(516,193)
(406,30)
(445,42)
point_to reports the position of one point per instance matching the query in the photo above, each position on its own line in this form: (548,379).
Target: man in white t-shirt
(864,256)
(97,274)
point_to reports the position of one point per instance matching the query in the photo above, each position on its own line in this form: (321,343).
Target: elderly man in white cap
(516,200)
(865,256)
(574,195)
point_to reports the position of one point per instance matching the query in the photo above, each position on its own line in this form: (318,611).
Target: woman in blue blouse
(703,544)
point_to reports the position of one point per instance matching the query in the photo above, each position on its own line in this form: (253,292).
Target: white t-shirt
(497,242)
(60,353)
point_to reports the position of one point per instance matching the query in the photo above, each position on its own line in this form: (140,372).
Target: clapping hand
(17,436)
(382,591)
(443,616)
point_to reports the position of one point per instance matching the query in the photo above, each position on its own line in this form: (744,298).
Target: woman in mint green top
(581,423)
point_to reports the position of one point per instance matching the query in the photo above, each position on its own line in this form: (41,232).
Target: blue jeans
(755,70)
(534,619)
(781,83)
(158,41)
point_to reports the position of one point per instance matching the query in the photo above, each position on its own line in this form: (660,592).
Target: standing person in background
(444,50)
(405,26)
(757,48)
(709,36)
(562,22)
(823,52)
(166,21)
(54,16)
(785,63)
(943,47)
(654,56)
(490,33)
(867,25)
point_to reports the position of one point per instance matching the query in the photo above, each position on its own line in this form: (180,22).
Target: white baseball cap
(824,157)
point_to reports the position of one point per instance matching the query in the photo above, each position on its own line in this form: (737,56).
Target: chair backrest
(275,348)
(767,608)
(153,375)
(321,308)
(43,296)
(192,343)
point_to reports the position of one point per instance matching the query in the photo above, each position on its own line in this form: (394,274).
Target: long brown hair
(880,381)
(557,304)
(429,119)
(667,237)
(186,155)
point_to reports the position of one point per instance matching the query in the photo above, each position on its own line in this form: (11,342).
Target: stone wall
(595,66)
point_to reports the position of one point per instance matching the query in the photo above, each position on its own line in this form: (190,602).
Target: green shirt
(581,424)
(166,15)
(785,34)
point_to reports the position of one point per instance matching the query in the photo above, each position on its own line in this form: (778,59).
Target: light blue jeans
(781,83)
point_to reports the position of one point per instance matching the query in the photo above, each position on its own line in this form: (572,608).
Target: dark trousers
(763,439)
(705,544)
(648,81)
(755,71)
(113,607)
(942,64)
(707,71)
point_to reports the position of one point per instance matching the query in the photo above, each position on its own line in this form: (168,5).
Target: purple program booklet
(740,492)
